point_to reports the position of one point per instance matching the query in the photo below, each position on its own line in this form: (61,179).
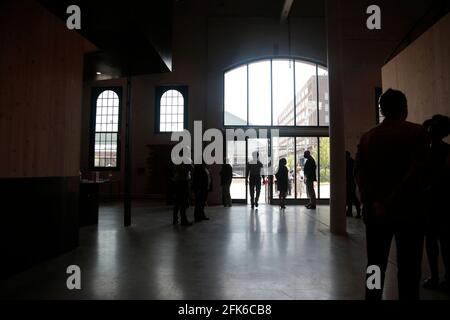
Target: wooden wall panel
(41,70)
(422,72)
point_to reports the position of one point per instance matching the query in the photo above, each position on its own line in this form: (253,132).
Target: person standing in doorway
(310,177)
(352,198)
(391,174)
(226,178)
(282,181)
(254,178)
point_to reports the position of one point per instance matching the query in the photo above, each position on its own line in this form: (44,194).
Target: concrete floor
(239,254)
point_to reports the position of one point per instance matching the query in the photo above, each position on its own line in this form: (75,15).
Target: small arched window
(171,109)
(105,153)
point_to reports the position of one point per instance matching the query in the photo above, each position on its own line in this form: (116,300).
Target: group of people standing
(187,178)
(402,171)
(310,177)
(256,179)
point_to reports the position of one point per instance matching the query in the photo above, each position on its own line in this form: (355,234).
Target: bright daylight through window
(276,92)
(286,94)
(106,130)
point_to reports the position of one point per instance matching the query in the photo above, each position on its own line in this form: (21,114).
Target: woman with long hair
(282,182)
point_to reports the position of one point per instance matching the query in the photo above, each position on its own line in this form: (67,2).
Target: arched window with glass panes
(171,109)
(288,94)
(277,92)
(105,151)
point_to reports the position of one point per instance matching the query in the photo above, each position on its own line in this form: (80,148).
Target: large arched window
(276,92)
(106,124)
(291,95)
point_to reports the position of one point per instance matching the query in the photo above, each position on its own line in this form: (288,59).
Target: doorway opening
(284,93)
(270,150)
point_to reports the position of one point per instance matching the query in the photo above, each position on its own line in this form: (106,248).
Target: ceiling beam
(133,37)
(287,6)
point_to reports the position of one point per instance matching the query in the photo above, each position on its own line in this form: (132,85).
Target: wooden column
(338,221)
(128,158)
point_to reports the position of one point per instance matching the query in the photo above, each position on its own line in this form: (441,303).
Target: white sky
(259,88)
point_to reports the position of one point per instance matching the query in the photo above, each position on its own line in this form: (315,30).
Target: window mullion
(295,97)
(317,95)
(271,92)
(105,149)
(248,95)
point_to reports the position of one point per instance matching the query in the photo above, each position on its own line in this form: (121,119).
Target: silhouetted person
(254,172)
(282,182)
(390,171)
(181,181)
(310,177)
(438,225)
(170,190)
(352,198)
(226,177)
(202,184)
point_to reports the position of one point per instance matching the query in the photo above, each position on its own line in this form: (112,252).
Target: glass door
(271,150)
(262,147)
(293,149)
(236,157)
(303,144)
(283,147)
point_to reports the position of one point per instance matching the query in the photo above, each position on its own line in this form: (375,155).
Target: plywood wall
(422,72)
(41,69)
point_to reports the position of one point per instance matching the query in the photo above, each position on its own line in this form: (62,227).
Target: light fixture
(99,73)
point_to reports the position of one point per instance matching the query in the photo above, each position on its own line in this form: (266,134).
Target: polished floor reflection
(239,254)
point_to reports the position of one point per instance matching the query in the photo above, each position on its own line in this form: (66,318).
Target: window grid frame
(170,109)
(160,91)
(96,94)
(294,59)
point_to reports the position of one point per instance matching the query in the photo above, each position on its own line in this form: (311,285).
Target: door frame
(291,133)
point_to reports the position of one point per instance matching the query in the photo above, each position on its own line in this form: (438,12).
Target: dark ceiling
(133,37)
(264,8)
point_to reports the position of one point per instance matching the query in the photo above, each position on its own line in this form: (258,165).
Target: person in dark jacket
(226,177)
(310,177)
(282,181)
(352,198)
(255,178)
(438,223)
(391,174)
(181,180)
(202,184)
